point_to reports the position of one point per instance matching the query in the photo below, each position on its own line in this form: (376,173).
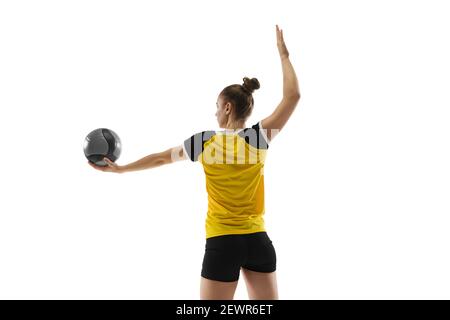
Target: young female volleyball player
(233,161)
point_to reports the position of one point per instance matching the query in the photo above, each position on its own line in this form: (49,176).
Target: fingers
(279,34)
(110,166)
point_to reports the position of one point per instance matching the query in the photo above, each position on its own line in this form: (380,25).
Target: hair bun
(250,84)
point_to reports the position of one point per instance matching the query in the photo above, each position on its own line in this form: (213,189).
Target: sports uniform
(233,162)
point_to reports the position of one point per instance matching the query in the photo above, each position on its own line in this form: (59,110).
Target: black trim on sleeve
(195,145)
(254,137)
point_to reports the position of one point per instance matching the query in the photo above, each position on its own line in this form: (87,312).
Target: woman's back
(234,169)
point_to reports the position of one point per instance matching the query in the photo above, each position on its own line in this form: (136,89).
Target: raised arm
(150,161)
(291,92)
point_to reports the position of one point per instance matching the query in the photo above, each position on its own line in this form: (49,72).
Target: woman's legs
(217,290)
(261,285)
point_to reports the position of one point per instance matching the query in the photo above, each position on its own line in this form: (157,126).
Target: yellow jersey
(233,162)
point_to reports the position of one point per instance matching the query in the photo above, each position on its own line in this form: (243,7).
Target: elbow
(293,96)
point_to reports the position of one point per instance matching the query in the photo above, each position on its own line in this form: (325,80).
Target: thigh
(261,285)
(217,290)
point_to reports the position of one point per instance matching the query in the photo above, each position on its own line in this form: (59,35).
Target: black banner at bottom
(224,309)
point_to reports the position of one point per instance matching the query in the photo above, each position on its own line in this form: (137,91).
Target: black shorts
(225,255)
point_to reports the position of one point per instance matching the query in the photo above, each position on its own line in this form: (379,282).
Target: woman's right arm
(291,92)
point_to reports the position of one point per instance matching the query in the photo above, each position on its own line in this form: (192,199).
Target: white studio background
(357,184)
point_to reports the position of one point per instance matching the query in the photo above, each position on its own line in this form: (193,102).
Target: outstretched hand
(111,166)
(284,53)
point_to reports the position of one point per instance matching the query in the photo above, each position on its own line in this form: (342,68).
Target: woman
(233,161)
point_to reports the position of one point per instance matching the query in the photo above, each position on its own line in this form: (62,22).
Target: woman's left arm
(151,161)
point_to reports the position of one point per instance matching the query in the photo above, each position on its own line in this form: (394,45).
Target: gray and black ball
(102,143)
